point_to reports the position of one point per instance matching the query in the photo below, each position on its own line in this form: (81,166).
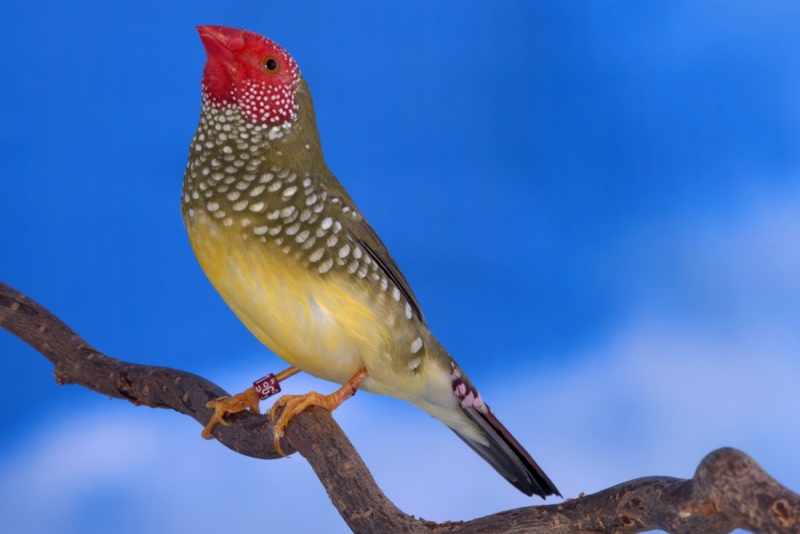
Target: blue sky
(598,208)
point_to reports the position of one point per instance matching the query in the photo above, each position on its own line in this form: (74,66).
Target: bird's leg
(294,404)
(248,399)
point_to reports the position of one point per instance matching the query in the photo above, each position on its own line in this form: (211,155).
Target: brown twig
(729,490)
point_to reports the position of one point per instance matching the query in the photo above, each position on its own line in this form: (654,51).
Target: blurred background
(597,205)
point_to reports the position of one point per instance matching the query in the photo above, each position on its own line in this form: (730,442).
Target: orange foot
(294,404)
(225,405)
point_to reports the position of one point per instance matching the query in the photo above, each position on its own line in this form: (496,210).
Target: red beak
(220,43)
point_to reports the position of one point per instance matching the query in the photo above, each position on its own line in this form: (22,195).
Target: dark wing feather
(363,234)
(507,456)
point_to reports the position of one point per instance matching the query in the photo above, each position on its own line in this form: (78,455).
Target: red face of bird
(251,72)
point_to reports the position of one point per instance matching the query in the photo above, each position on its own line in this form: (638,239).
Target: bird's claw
(222,406)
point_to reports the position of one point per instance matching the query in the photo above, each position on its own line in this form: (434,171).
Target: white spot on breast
(291,230)
(266,178)
(275,230)
(274,215)
(289,191)
(257,207)
(239,206)
(233,195)
(384,283)
(326,266)
(414,365)
(337,226)
(285,212)
(257,190)
(227,222)
(302,236)
(260,230)
(344,251)
(396,294)
(316,255)
(306,182)
(332,240)
(357,253)
(241,186)
(245,223)
(191,212)
(408,310)
(326,223)
(352,267)
(310,200)
(415,346)
(212,206)
(362,272)
(225,149)
(275,186)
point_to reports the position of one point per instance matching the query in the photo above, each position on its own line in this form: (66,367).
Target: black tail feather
(507,456)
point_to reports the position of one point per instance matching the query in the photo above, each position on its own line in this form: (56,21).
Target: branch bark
(729,489)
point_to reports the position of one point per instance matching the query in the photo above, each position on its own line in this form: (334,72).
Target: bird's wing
(363,234)
(365,237)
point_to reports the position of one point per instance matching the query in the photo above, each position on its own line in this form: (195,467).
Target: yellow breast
(325,326)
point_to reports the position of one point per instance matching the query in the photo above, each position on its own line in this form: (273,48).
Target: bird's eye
(271,65)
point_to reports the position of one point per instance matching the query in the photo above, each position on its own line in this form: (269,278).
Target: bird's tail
(506,455)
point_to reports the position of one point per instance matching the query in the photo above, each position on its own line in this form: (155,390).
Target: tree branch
(729,489)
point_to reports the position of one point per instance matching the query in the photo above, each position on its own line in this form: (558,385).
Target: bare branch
(728,491)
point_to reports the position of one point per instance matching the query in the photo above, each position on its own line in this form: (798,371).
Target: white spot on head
(416,345)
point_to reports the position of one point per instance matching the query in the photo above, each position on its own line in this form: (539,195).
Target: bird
(291,254)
